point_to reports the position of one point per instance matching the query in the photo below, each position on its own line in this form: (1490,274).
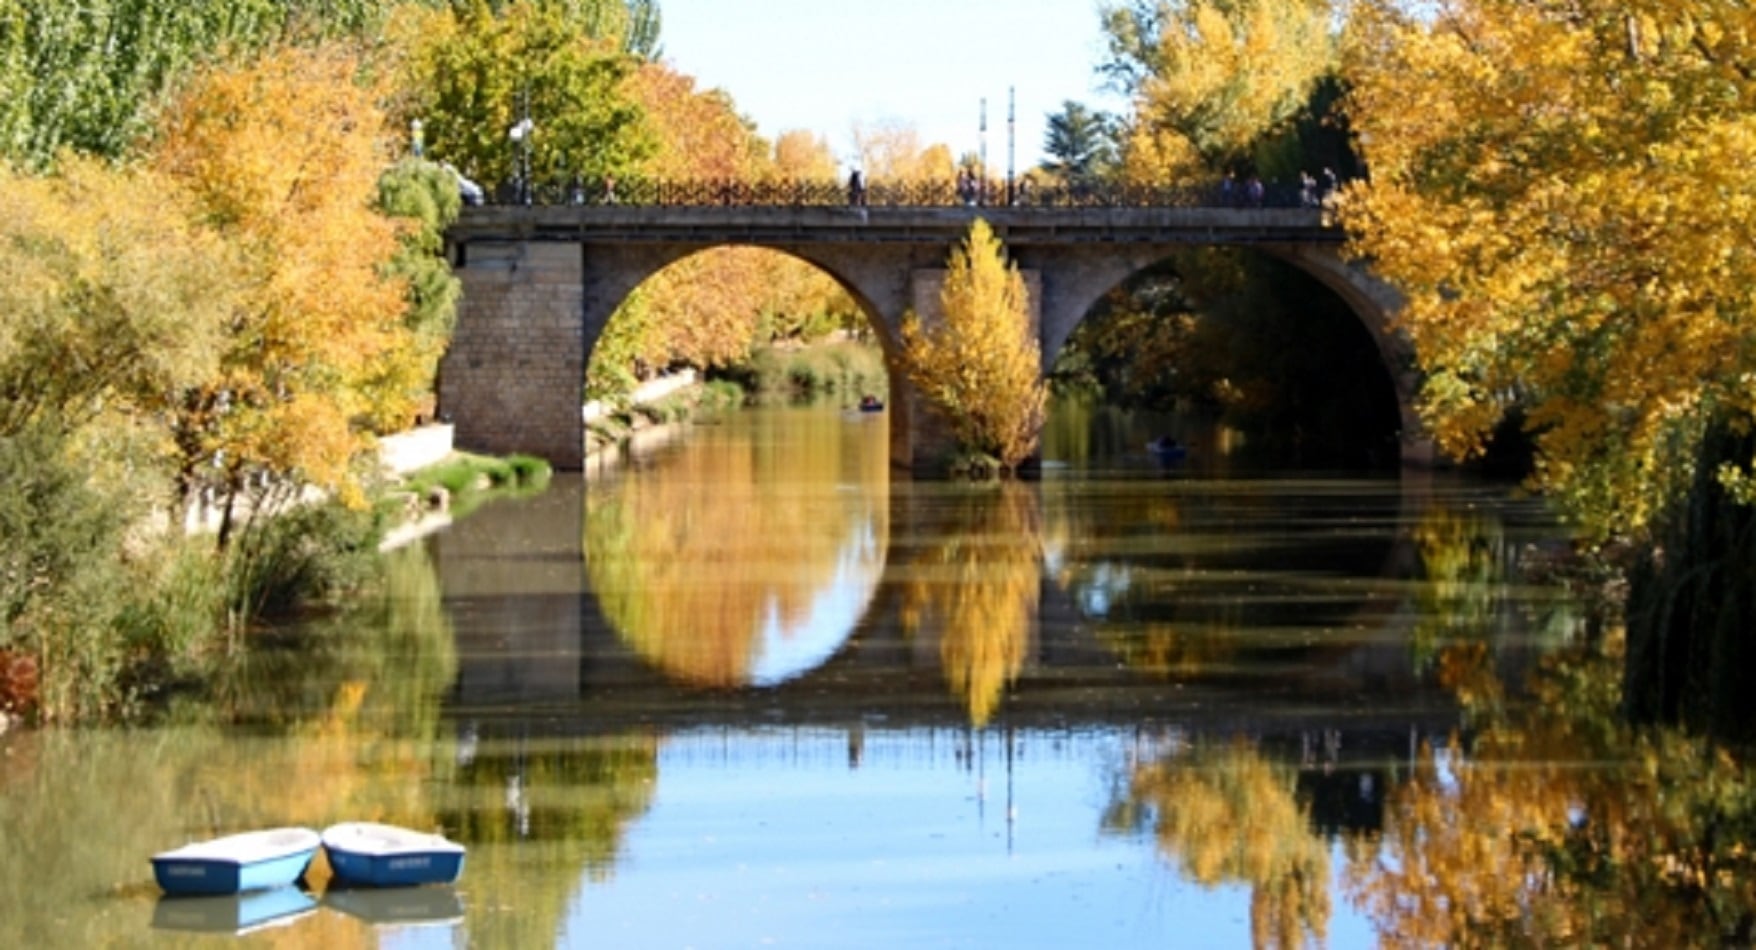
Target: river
(751,690)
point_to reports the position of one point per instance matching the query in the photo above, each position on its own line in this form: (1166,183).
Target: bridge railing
(817,193)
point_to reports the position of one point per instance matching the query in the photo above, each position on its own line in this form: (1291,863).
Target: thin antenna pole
(982,159)
(1011,137)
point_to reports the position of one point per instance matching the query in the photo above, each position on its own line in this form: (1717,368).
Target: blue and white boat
(233,864)
(368,854)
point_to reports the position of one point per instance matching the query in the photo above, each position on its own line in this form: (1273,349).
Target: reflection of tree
(739,531)
(1565,827)
(978,588)
(537,812)
(394,655)
(1226,814)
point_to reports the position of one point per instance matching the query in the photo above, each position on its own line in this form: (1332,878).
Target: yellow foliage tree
(804,156)
(112,295)
(1563,195)
(978,366)
(283,157)
(1216,73)
(891,152)
(709,309)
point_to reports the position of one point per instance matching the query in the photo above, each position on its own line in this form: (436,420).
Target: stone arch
(610,271)
(1074,279)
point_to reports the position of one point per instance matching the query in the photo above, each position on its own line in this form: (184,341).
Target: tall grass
(844,370)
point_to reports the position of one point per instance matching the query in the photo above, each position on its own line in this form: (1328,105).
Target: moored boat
(1167,449)
(250,861)
(369,854)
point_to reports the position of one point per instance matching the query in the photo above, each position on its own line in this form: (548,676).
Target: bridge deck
(1016,226)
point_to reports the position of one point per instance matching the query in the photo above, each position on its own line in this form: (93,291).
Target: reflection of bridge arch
(541,283)
(531,634)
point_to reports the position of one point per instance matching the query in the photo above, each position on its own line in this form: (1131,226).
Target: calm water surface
(750,690)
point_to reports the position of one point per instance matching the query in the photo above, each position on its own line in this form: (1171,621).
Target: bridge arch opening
(1247,354)
(711,308)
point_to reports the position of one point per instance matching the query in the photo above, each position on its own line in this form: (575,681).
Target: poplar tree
(978,366)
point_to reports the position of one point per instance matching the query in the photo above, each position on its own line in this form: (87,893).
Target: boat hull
(238,863)
(362,854)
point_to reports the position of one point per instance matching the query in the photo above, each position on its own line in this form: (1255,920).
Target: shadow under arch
(1077,279)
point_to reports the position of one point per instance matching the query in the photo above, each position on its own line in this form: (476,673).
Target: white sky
(824,65)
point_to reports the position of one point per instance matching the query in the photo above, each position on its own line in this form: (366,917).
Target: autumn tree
(283,158)
(891,152)
(112,295)
(804,156)
(700,133)
(1568,215)
(977,364)
(1216,74)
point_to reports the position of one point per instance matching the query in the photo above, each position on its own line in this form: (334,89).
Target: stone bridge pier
(540,285)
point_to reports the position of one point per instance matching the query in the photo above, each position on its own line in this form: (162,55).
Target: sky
(823,65)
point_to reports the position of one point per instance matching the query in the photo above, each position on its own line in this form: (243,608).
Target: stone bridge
(540,283)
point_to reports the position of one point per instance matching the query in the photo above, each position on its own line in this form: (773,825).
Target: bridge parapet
(823,192)
(939,227)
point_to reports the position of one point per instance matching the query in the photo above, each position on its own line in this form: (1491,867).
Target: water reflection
(235,914)
(1107,709)
(972,585)
(748,555)
(1225,813)
(1557,824)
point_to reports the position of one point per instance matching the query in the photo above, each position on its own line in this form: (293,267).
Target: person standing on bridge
(856,189)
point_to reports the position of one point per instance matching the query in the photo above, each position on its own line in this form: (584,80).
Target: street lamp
(520,134)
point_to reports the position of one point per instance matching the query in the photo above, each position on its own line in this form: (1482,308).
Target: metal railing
(806,193)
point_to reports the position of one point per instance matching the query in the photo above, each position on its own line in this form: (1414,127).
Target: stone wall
(516,367)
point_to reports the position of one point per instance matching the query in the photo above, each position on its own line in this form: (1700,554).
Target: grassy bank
(842,370)
(105,619)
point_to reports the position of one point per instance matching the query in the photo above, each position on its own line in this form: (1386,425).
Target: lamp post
(520,134)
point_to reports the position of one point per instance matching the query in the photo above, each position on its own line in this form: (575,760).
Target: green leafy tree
(424,194)
(86,76)
(1080,143)
(978,367)
(477,74)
